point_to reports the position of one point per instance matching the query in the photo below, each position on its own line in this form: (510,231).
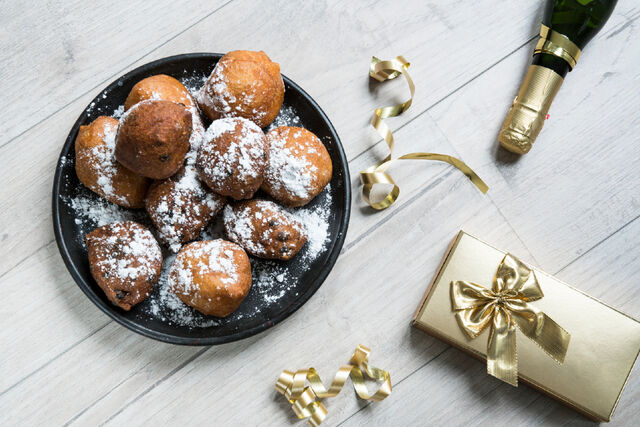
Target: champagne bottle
(567,26)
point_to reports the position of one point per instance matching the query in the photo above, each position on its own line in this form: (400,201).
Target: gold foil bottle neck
(529,110)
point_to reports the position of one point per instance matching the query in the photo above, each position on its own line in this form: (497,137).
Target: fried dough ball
(125,260)
(212,276)
(181,207)
(232,157)
(264,229)
(243,84)
(98,170)
(299,166)
(167,88)
(153,138)
(159,86)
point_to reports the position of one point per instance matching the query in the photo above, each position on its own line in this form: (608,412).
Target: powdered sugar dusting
(101,160)
(216,95)
(242,222)
(315,220)
(197,135)
(97,211)
(118,112)
(184,205)
(166,306)
(289,168)
(271,281)
(240,225)
(242,157)
(286,117)
(137,254)
(212,257)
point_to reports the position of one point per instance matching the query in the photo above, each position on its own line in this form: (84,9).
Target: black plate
(254,315)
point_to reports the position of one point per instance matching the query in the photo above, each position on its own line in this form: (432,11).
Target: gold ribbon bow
(502,308)
(303,398)
(376,174)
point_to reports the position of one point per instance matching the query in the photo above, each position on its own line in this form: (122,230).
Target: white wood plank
(359,31)
(116,364)
(31,227)
(97,369)
(53,52)
(578,184)
(43,314)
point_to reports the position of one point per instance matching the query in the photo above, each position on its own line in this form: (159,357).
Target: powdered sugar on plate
(118,112)
(286,117)
(193,83)
(92,211)
(315,220)
(271,281)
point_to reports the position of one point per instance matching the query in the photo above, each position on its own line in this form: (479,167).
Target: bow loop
(502,309)
(514,275)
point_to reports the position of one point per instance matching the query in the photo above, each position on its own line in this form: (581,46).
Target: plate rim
(335,249)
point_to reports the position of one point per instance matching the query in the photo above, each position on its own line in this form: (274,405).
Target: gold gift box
(604,341)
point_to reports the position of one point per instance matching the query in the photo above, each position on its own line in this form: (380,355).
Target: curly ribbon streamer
(304,398)
(502,308)
(388,70)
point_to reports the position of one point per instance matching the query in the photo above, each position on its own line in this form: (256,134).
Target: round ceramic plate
(279,288)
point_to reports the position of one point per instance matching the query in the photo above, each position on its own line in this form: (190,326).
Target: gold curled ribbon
(502,308)
(305,399)
(376,174)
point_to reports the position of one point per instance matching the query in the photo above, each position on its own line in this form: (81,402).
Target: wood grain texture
(225,30)
(54,52)
(357,29)
(63,361)
(577,185)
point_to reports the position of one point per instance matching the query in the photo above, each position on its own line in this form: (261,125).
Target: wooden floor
(571,206)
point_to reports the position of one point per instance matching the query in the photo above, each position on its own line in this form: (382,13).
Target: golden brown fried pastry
(264,229)
(212,276)
(243,84)
(125,260)
(153,138)
(181,207)
(232,157)
(167,88)
(159,86)
(299,166)
(98,170)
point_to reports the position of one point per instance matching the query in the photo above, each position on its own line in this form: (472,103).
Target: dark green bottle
(567,26)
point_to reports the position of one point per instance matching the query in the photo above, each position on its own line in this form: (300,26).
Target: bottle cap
(529,110)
